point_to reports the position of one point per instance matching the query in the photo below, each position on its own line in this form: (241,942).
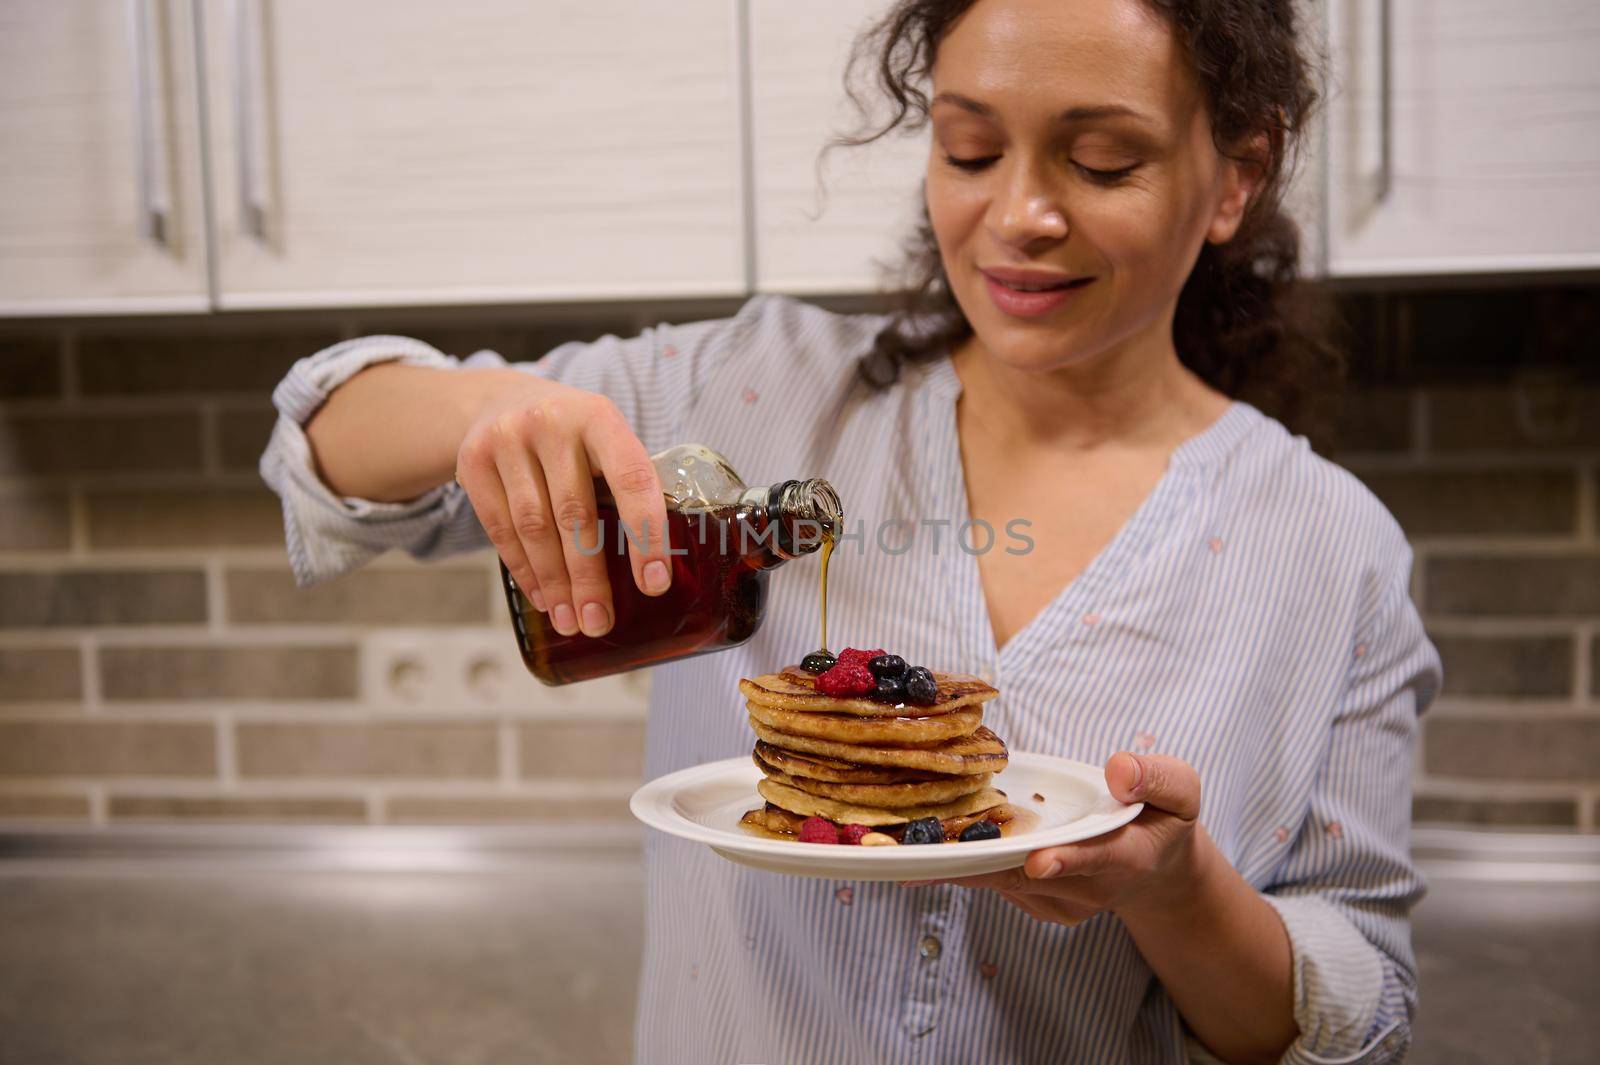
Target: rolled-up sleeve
(653,378)
(1347,886)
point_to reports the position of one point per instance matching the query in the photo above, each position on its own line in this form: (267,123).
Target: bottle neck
(803,515)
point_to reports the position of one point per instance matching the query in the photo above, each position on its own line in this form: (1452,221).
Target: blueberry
(924,830)
(817,662)
(889,690)
(887,666)
(921,688)
(980,830)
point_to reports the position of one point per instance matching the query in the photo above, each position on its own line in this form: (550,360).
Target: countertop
(431,952)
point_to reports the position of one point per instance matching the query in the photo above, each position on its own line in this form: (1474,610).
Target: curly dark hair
(1245,323)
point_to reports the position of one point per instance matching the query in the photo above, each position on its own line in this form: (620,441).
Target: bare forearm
(1224,958)
(392,431)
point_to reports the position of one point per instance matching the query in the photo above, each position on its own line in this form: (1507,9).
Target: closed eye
(1105,177)
(972,166)
(1099,177)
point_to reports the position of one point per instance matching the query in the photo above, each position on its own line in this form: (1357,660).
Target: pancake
(887,796)
(846,728)
(980,752)
(796,690)
(836,770)
(799,802)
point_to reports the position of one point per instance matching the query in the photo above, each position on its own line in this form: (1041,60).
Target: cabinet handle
(246,76)
(1385,100)
(149,170)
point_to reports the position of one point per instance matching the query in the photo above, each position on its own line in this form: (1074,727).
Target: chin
(1031,345)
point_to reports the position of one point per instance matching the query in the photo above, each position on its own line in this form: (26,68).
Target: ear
(1242,174)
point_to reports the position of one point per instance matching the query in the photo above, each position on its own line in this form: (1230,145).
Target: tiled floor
(132,964)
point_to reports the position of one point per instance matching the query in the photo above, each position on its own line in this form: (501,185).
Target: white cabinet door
(100,212)
(805,244)
(1494,145)
(401,151)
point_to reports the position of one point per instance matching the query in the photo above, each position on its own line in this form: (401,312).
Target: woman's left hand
(1154,861)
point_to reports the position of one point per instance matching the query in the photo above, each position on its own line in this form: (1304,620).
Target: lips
(1031,293)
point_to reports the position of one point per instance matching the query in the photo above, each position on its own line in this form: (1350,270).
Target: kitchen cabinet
(400,151)
(803,244)
(1491,159)
(185,155)
(101,207)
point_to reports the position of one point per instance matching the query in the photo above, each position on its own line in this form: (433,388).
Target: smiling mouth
(1039,286)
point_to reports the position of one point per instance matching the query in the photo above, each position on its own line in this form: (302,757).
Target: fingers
(1004,880)
(533,530)
(584,543)
(1037,900)
(529,471)
(1158,780)
(478,475)
(623,461)
(1087,858)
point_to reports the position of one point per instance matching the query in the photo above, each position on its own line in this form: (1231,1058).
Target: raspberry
(847,678)
(856,657)
(852,833)
(818,830)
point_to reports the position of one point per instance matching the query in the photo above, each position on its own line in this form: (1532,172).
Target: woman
(1205,601)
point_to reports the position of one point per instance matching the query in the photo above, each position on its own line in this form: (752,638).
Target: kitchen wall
(157,662)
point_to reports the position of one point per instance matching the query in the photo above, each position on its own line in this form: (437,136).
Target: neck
(1137,396)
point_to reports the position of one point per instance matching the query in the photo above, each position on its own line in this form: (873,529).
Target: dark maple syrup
(827,553)
(720,558)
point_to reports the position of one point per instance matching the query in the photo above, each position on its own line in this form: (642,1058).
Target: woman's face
(1071,144)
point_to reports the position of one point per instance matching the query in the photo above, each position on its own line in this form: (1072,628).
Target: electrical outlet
(453,671)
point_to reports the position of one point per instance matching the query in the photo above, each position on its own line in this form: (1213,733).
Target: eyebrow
(1071,114)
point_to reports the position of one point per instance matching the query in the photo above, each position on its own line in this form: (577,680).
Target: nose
(1026,210)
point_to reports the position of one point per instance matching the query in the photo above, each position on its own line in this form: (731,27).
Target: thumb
(1158,780)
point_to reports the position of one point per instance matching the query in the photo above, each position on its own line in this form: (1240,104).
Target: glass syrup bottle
(723,537)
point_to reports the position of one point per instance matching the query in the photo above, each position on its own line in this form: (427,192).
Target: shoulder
(802,336)
(1276,482)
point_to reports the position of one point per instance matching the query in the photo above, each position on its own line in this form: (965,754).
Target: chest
(1067,511)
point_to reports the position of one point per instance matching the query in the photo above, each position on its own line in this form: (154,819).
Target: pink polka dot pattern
(1091,619)
(1335,830)
(1281,834)
(988,970)
(845,895)
(1215,544)
(669,351)
(1361,649)
(749,395)
(1144,741)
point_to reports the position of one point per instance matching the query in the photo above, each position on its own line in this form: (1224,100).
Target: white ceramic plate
(704,804)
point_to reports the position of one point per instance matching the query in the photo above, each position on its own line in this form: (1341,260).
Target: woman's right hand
(528,464)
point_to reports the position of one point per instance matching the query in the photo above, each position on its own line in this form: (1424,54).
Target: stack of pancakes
(857,761)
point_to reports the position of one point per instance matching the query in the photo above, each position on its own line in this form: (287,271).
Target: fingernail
(566,622)
(1053,869)
(537,599)
(595,619)
(655,576)
(1138,774)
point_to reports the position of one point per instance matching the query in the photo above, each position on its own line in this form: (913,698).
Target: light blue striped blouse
(1252,618)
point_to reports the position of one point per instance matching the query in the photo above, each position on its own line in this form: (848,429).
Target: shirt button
(929,947)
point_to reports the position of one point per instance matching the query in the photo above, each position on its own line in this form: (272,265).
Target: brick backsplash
(158,663)
(31,520)
(198,516)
